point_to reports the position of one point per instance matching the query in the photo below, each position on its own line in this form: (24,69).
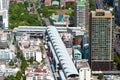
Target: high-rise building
(4,5)
(81,13)
(117,12)
(100,40)
(1,20)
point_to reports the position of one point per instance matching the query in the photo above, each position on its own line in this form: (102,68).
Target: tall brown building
(100,40)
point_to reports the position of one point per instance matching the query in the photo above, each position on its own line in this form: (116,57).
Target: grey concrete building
(117,12)
(81,13)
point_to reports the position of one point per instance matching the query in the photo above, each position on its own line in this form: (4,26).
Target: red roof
(26,68)
(47,2)
(70,0)
(40,70)
(27,74)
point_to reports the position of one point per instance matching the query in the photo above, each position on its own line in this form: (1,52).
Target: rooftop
(61,52)
(100,13)
(82,64)
(40,70)
(81,3)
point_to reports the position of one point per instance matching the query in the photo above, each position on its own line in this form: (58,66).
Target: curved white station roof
(60,49)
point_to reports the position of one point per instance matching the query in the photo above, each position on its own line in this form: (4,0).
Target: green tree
(31,60)
(19,16)
(11,77)
(18,75)
(117,60)
(100,76)
(70,5)
(26,4)
(31,4)
(39,10)
(37,3)
(112,12)
(11,63)
(92,5)
(42,48)
(24,64)
(19,55)
(24,77)
(45,11)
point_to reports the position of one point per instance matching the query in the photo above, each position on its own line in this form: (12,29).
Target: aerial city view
(59,39)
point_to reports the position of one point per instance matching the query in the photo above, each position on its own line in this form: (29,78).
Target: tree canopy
(46,12)
(19,16)
(100,76)
(11,77)
(11,63)
(92,5)
(117,60)
(24,64)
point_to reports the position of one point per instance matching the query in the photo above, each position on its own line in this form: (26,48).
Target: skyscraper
(100,40)
(4,5)
(81,13)
(117,11)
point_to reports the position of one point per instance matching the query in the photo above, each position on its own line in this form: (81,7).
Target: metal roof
(60,49)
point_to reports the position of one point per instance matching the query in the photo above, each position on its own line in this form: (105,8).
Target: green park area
(20,16)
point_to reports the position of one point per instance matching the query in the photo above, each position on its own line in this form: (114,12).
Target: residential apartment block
(81,13)
(33,73)
(4,5)
(29,47)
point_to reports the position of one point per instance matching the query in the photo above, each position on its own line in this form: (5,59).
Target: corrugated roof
(60,49)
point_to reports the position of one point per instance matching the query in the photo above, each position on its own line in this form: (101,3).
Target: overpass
(42,29)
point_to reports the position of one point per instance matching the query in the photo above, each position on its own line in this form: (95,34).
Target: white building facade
(4,6)
(83,69)
(85,73)
(29,47)
(81,13)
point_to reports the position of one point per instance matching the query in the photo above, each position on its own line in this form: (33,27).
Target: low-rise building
(29,47)
(77,55)
(47,2)
(7,50)
(6,54)
(61,20)
(6,71)
(3,40)
(84,70)
(37,74)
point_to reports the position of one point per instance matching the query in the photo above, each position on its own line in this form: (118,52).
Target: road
(99,4)
(46,58)
(35,10)
(47,22)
